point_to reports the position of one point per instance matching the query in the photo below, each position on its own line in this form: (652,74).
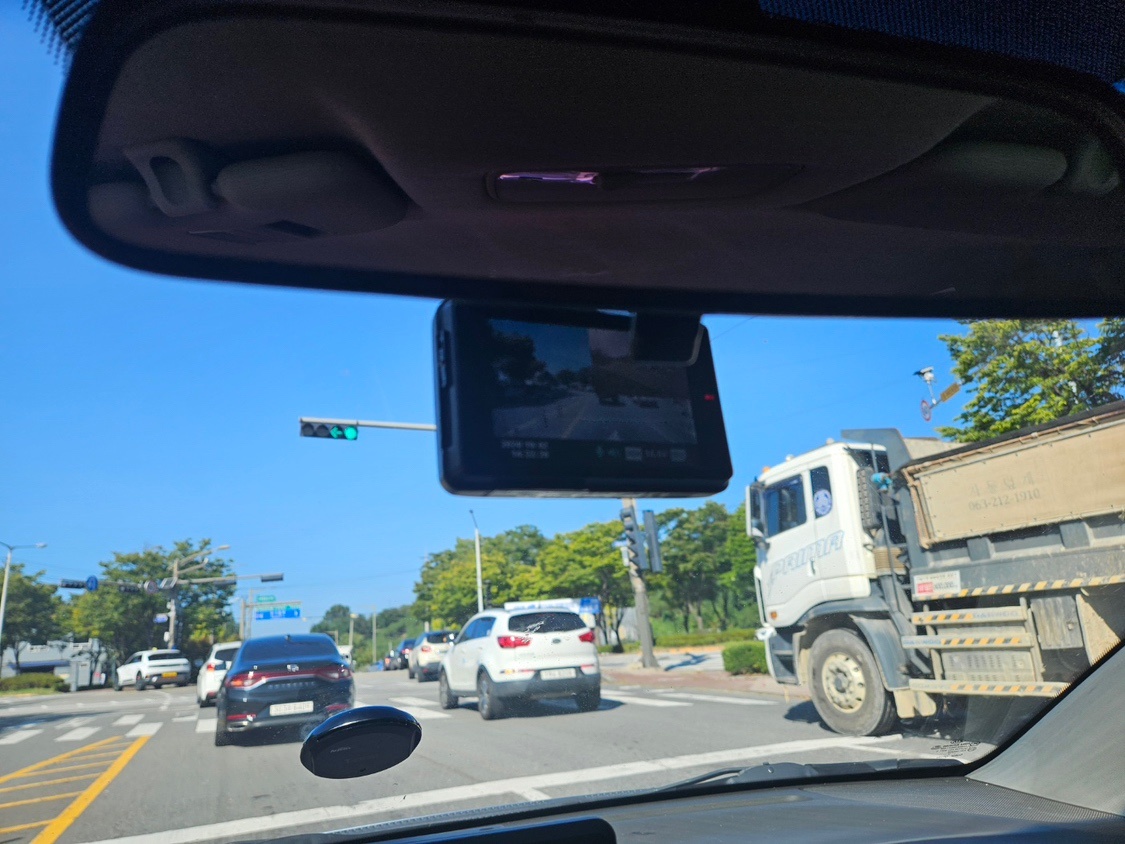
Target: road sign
(589,606)
(91,584)
(949,392)
(281,611)
(927,410)
(161,618)
(330,432)
(264,599)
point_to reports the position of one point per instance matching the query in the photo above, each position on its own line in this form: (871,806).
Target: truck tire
(847,689)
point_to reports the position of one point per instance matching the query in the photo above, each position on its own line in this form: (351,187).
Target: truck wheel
(847,690)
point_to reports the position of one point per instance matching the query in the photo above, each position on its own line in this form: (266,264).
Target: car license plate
(170,674)
(557,674)
(297,708)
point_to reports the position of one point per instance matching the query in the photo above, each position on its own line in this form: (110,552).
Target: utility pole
(249,615)
(632,554)
(351,630)
(4,588)
(480,583)
(374,631)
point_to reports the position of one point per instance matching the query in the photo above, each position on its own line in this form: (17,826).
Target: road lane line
(32,770)
(206,726)
(59,781)
(148,729)
(256,826)
(414,701)
(429,715)
(18,736)
(70,814)
(28,801)
(4,830)
(129,720)
(737,701)
(629,700)
(79,734)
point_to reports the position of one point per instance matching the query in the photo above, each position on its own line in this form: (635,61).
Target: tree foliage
(31,614)
(123,621)
(1028,372)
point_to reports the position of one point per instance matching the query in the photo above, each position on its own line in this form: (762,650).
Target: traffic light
(72,584)
(128,587)
(329,431)
(652,539)
(271,578)
(634,542)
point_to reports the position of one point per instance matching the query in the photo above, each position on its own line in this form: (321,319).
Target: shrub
(746,658)
(22,682)
(686,640)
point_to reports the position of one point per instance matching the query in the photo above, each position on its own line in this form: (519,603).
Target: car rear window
(545,622)
(438,638)
(165,655)
(292,647)
(226,654)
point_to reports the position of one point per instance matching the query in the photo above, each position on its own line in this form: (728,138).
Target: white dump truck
(896,575)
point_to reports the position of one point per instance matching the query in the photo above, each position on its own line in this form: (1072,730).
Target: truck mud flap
(885,644)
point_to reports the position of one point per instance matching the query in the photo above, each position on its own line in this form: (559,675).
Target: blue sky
(139,410)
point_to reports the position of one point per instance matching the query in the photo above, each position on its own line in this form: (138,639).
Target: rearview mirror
(560,402)
(359,742)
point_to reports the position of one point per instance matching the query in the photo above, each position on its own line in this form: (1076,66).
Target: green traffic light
(351,432)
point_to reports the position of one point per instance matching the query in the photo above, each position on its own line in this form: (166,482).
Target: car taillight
(210,666)
(334,673)
(512,641)
(425,649)
(586,636)
(241,680)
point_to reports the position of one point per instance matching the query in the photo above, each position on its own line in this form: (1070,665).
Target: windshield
(944,492)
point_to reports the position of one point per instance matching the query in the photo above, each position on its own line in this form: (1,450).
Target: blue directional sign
(162,618)
(289,611)
(589,606)
(91,584)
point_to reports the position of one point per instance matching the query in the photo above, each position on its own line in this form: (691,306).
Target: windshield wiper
(769,772)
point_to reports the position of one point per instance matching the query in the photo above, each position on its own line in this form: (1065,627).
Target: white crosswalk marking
(643,701)
(206,725)
(414,701)
(78,734)
(429,715)
(128,720)
(737,701)
(19,735)
(148,729)
(185,717)
(71,723)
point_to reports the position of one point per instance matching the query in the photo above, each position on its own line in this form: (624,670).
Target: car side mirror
(359,742)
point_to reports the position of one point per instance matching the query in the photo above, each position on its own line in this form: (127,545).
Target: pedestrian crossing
(182,715)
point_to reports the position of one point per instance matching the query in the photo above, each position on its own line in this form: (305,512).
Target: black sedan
(283,681)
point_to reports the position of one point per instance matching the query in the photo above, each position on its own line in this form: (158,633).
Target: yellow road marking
(62,757)
(59,781)
(20,775)
(71,813)
(21,827)
(30,800)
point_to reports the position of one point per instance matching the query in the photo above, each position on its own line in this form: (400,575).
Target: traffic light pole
(640,595)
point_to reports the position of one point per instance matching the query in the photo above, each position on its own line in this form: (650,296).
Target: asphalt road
(143,764)
(580,416)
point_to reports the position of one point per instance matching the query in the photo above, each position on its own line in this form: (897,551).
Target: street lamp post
(480,584)
(351,629)
(4,589)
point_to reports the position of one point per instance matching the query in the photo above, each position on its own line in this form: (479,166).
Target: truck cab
(806,516)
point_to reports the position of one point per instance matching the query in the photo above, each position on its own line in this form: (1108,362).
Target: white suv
(504,655)
(153,668)
(213,671)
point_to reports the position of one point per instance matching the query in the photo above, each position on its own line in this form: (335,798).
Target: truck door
(788,530)
(828,562)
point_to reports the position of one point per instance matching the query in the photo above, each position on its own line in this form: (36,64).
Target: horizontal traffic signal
(329,431)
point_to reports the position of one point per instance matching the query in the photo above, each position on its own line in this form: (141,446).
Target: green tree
(582,564)
(694,550)
(123,621)
(1027,372)
(32,612)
